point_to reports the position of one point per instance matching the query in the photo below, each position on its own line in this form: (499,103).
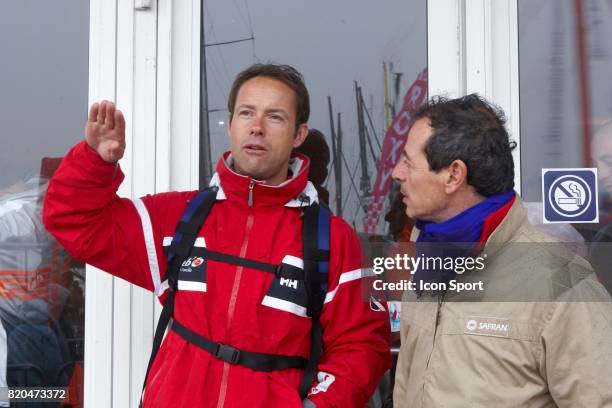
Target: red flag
(394,142)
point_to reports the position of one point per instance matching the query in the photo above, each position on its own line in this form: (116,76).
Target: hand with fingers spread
(105,131)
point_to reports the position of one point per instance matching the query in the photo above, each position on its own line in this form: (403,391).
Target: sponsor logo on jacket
(191,263)
(487,326)
(290,283)
(325,380)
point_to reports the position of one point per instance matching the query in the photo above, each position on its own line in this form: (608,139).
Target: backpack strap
(184,238)
(315,239)
(280,271)
(232,355)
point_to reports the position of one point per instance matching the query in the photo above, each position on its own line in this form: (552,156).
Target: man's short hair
(283,73)
(472,130)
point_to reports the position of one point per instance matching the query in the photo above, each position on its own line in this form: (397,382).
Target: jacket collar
(296,191)
(509,228)
(505,231)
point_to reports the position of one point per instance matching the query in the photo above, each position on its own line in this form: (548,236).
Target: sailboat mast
(364,184)
(336,158)
(386,101)
(338,169)
(205,156)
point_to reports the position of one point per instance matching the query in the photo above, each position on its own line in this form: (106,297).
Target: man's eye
(245,113)
(276,117)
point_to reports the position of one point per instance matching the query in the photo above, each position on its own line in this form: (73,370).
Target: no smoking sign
(570,195)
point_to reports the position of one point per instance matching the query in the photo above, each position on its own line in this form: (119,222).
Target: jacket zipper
(440,300)
(251,185)
(234,294)
(433,344)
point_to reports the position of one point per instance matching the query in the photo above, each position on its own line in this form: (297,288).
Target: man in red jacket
(262,192)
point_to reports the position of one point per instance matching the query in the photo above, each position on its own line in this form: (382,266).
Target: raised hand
(105,131)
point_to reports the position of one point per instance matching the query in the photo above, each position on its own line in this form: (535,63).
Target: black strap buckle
(227,353)
(277,271)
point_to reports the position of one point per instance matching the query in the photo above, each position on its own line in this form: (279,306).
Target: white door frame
(145,56)
(473,47)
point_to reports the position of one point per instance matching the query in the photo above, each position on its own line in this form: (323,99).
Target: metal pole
(364,184)
(335,159)
(583,67)
(386,101)
(338,168)
(205,162)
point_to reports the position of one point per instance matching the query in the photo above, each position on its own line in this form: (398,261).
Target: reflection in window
(44,76)
(565,49)
(566,95)
(365,67)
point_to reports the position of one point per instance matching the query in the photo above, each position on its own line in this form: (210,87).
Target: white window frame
(146,58)
(473,47)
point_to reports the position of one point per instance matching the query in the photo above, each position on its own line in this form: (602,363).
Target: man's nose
(396,173)
(257,125)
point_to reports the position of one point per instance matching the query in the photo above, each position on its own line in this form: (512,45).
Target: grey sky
(44,48)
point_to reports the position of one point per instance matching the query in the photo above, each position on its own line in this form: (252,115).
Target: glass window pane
(365,66)
(359,60)
(565,50)
(44,82)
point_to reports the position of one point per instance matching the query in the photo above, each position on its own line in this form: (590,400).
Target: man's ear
(456,176)
(300,135)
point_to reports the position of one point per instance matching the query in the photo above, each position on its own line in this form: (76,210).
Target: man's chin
(248,168)
(252,174)
(410,214)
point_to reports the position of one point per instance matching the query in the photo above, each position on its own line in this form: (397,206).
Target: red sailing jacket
(246,308)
